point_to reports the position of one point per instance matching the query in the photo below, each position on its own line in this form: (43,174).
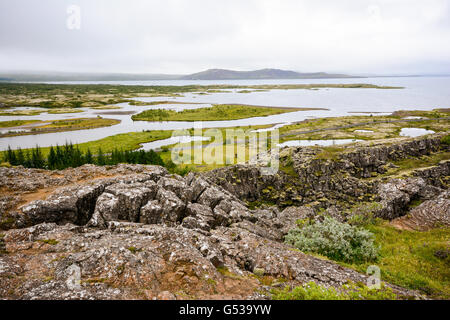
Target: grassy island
(214,113)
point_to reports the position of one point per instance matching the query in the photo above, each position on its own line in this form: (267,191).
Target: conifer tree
(88,157)
(101,157)
(20,157)
(51,159)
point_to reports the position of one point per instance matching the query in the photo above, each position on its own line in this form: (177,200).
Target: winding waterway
(425,93)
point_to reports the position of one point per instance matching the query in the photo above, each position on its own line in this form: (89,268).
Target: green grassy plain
(407,258)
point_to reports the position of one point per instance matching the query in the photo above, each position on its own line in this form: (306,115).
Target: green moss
(95,280)
(6,223)
(329,153)
(259,272)
(351,291)
(51,242)
(134,250)
(58,259)
(257,204)
(211,282)
(227,273)
(415,203)
(287,166)
(265,280)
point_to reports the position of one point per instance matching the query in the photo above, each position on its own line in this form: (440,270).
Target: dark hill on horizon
(223,74)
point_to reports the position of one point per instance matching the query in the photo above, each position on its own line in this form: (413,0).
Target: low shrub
(364,214)
(336,240)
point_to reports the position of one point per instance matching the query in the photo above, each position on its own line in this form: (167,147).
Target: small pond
(414,132)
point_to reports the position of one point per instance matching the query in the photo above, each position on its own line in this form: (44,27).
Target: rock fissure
(145,228)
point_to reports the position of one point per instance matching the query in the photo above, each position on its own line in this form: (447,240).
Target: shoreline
(44,130)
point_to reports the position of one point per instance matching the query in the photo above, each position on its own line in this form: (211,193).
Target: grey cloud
(176,36)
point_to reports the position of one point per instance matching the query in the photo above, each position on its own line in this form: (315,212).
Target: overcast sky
(184,36)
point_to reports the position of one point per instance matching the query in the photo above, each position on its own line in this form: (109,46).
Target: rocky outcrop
(150,235)
(167,200)
(329,178)
(438,176)
(247,182)
(429,214)
(344,173)
(396,195)
(132,231)
(70,205)
(133,260)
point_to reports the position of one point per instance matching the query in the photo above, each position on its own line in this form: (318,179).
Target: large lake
(424,93)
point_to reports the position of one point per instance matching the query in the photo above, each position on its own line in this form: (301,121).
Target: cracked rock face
(151,235)
(397,194)
(133,260)
(429,214)
(137,232)
(146,198)
(343,178)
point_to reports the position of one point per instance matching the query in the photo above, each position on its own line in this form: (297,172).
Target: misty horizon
(185,37)
(93,73)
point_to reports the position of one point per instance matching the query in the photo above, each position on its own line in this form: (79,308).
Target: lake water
(425,93)
(414,132)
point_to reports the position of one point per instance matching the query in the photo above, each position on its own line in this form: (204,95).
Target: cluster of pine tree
(68,156)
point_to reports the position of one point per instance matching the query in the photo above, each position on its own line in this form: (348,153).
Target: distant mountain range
(211,74)
(223,74)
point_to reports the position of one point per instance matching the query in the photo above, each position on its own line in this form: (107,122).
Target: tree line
(69,156)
